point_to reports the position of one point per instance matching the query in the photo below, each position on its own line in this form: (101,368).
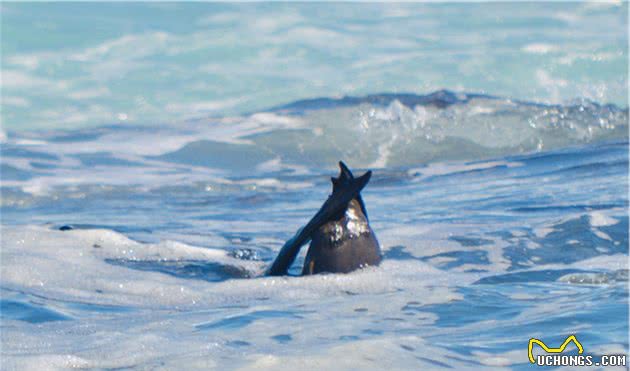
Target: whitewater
(137,220)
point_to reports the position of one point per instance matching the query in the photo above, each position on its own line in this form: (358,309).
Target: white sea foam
(437,169)
(599,219)
(472,259)
(47,263)
(538,48)
(276,54)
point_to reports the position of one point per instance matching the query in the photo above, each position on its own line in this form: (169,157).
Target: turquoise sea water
(71,65)
(180,145)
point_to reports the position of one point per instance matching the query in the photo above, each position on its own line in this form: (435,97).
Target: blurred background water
(180,144)
(76,65)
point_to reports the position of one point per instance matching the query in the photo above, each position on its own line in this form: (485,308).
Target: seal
(340,234)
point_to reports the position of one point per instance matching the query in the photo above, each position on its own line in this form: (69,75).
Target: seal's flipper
(344,171)
(344,175)
(335,204)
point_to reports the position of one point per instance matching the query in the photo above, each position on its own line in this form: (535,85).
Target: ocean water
(183,144)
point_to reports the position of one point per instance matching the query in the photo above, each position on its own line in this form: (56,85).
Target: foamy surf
(146,183)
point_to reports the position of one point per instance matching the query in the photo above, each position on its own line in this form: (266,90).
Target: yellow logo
(560,349)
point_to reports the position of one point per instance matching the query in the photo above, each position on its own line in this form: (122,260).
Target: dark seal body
(343,245)
(340,233)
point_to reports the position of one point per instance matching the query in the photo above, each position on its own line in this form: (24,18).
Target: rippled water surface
(137,219)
